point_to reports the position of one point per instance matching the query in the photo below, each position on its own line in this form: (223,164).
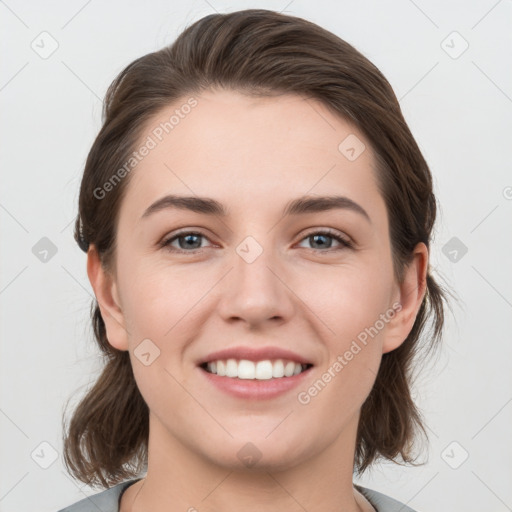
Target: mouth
(244,369)
(245,379)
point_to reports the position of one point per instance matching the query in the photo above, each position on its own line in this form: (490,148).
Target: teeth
(262,370)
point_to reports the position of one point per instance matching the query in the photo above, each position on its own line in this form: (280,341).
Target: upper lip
(255,354)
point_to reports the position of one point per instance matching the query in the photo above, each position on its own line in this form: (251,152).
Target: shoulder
(106,501)
(381,502)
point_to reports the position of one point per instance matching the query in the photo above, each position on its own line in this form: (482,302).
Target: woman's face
(259,277)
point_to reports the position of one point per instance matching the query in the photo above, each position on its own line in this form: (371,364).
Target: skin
(253,155)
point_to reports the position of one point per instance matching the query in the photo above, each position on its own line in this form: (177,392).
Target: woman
(257,218)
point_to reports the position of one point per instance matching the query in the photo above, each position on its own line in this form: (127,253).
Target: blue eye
(319,237)
(190,241)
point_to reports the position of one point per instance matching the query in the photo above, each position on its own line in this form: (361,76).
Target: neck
(179,478)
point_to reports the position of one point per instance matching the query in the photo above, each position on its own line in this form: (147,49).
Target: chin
(251,450)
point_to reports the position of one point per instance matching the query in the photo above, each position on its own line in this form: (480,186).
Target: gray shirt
(108,500)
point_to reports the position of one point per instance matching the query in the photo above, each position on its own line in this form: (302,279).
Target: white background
(459,110)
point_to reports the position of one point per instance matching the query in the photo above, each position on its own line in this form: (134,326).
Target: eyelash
(346,244)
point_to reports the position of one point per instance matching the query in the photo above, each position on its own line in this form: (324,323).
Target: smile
(255,370)
(254,380)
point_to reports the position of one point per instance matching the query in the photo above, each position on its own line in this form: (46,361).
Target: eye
(322,237)
(186,240)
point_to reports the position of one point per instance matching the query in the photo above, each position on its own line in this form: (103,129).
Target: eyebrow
(300,206)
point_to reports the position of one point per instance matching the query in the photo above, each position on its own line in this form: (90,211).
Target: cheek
(157,310)
(351,301)
(157,298)
(353,341)
(353,310)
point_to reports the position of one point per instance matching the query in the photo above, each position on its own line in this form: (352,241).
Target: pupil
(187,238)
(315,238)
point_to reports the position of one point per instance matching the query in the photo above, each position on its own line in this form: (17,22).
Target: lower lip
(253,388)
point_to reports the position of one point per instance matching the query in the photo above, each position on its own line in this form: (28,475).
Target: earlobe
(410,294)
(106,292)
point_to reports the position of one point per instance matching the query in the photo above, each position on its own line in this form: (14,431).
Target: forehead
(245,150)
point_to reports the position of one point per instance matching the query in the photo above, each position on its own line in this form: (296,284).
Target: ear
(409,294)
(105,289)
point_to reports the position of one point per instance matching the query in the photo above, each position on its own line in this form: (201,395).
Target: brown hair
(262,53)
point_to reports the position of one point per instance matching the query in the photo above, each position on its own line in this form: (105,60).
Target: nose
(255,290)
